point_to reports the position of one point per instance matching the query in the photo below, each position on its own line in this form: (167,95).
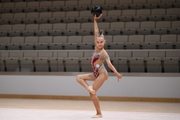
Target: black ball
(96,10)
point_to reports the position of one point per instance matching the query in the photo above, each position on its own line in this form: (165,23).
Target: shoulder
(105,54)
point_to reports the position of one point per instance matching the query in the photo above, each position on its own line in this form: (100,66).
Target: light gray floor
(35,109)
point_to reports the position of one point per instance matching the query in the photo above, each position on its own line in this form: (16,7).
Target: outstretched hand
(119,76)
(96,18)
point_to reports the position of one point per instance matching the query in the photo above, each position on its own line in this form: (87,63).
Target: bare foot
(97,116)
(90,89)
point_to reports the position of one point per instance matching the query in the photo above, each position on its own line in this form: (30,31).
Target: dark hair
(100,34)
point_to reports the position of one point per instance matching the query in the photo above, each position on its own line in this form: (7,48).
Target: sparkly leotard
(97,68)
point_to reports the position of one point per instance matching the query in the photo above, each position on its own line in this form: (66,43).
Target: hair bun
(100,33)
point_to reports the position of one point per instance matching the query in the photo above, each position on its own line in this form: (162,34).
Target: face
(100,41)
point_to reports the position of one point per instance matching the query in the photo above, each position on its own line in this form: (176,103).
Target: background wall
(159,86)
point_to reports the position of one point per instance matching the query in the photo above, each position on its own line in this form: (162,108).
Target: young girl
(100,73)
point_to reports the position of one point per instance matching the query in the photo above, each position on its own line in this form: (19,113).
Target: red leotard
(96,67)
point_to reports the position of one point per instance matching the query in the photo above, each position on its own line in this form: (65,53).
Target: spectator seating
(52,36)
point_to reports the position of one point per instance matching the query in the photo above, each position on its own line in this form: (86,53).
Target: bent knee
(78,78)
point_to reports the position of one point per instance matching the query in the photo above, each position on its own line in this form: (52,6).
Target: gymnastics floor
(43,109)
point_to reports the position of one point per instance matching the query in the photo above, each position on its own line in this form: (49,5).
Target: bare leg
(97,84)
(92,89)
(81,79)
(95,100)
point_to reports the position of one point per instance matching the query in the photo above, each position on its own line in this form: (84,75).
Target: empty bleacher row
(110,28)
(78,61)
(73,5)
(57,36)
(169,14)
(101,1)
(169,41)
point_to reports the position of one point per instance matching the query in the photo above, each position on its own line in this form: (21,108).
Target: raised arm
(96,29)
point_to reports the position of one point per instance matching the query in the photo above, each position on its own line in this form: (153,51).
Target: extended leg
(97,84)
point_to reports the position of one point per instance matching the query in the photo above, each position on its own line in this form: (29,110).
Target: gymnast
(99,74)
